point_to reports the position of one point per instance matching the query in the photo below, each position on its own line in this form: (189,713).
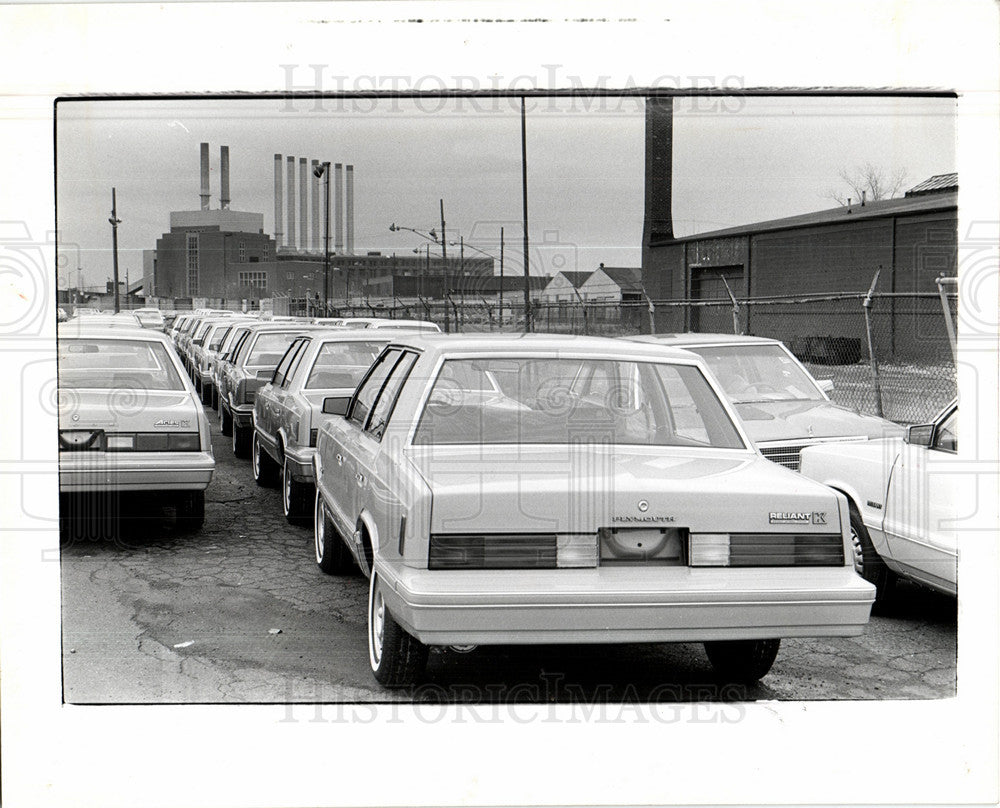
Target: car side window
(237,347)
(370,387)
(946,435)
(383,408)
(286,361)
(296,362)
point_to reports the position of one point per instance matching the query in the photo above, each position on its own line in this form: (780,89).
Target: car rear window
(112,364)
(269,348)
(342,364)
(565,401)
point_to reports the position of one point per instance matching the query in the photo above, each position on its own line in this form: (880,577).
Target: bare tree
(870,182)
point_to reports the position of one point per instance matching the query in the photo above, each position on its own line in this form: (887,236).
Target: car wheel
(225,420)
(397,658)
(867,562)
(296,498)
(241,440)
(191,510)
(743,661)
(332,554)
(265,470)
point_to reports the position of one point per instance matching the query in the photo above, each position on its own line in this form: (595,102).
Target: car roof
(525,343)
(105,331)
(691,339)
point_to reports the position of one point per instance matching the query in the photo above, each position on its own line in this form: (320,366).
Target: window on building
(255,280)
(243,252)
(192,264)
(267,251)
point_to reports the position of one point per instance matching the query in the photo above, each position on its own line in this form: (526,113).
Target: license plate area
(665,546)
(81,440)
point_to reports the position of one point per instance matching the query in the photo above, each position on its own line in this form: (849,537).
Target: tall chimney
(206,193)
(290,234)
(315,206)
(338,207)
(278,189)
(224,171)
(659,224)
(304,202)
(349,215)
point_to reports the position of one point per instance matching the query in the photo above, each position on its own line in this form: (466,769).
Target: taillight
(766,550)
(503,551)
(152,442)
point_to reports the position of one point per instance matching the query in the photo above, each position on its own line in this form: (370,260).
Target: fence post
(736,306)
(949,324)
(651,308)
(867,304)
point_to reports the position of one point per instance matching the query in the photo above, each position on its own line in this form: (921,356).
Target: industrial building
(225,257)
(913,239)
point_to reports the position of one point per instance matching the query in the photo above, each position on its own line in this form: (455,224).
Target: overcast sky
(737,160)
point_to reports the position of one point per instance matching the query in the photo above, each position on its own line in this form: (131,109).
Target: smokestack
(315,207)
(206,193)
(349,216)
(278,188)
(224,170)
(659,223)
(338,208)
(303,203)
(290,234)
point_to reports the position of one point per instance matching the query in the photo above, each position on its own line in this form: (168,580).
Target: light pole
(323,171)
(115,221)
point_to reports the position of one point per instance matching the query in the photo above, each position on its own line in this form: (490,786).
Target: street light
(115,221)
(323,171)
(431,235)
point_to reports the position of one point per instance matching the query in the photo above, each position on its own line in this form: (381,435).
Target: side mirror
(336,405)
(826,385)
(920,434)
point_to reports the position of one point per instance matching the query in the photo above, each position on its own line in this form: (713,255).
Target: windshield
(110,364)
(342,364)
(562,401)
(758,373)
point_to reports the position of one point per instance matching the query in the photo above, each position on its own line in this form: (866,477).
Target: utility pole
(444,253)
(115,221)
(524,209)
(461,280)
(501,278)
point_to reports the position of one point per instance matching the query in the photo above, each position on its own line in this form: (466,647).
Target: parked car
(380,323)
(200,341)
(150,318)
(289,410)
(223,361)
(782,406)
(253,361)
(129,420)
(545,489)
(902,502)
(92,321)
(207,354)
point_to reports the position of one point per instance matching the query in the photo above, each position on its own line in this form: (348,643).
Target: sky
(737,160)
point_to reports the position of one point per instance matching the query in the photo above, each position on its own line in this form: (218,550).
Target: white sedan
(129,419)
(545,489)
(902,502)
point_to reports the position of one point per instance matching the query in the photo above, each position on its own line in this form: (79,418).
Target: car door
(269,411)
(377,493)
(920,507)
(346,479)
(289,406)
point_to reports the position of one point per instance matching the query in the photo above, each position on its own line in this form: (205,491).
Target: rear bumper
(135,471)
(300,461)
(634,604)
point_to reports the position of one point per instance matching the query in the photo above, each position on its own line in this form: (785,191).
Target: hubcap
(859,556)
(256,458)
(286,489)
(376,622)
(319,530)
